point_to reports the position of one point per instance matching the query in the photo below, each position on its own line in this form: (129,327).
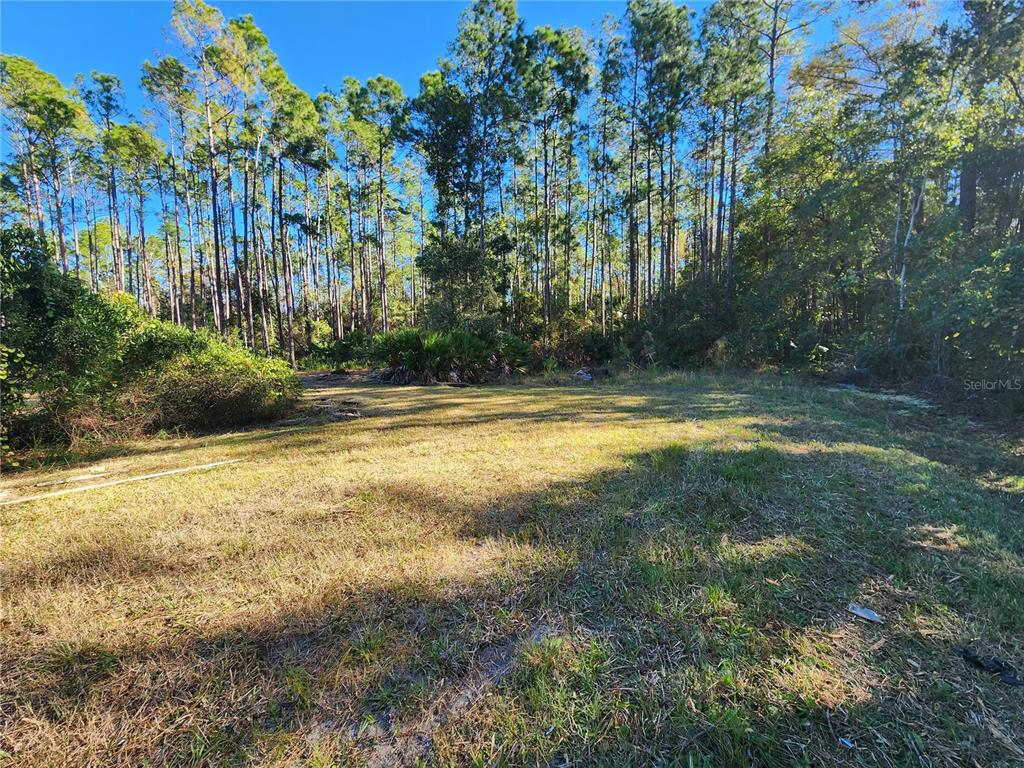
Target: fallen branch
(109,483)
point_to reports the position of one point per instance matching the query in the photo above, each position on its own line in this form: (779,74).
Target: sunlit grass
(651,571)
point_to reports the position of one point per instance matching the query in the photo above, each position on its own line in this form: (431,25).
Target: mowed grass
(646,572)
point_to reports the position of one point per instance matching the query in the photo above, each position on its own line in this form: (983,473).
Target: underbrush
(209,385)
(410,356)
(216,387)
(162,378)
(77,366)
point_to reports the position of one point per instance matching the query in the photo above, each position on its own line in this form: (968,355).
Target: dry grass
(650,571)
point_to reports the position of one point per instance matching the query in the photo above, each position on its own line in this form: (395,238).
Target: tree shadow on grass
(691,604)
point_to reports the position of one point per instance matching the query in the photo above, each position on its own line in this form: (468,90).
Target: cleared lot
(646,571)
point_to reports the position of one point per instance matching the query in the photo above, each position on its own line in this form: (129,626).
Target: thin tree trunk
(191,254)
(74,219)
(381,263)
(720,223)
(732,195)
(246,263)
(634,256)
(289,297)
(218,298)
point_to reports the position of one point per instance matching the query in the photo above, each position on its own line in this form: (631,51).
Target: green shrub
(214,386)
(86,349)
(576,341)
(444,355)
(153,343)
(691,322)
(981,332)
(595,347)
(314,345)
(322,351)
(399,348)
(99,366)
(511,354)
(53,328)
(437,356)
(355,347)
(470,357)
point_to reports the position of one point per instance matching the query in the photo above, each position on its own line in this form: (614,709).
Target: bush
(595,347)
(314,345)
(445,355)
(52,327)
(355,347)
(512,354)
(470,358)
(436,361)
(982,330)
(153,343)
(575,341)
(397,348)
(214,386)
(692,322)
(98,365)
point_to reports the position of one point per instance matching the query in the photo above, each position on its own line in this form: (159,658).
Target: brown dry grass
(652,571)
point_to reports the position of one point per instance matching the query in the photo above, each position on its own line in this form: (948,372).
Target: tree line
(790,176)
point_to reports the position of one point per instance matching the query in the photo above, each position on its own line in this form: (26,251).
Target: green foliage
(354,347)
(511,354)
(575,341)
(403,347)
(59,341)
(213,385)
(448,355)
(99,364)
(690,322)
(152,343)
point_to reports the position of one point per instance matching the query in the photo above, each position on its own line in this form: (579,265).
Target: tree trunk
(732,196)
(289,297)
(218,298)
(381,263)
(720,223)
(352,312)
(969,187)
(547,237)
(246,262)
(240,303)
(634,257)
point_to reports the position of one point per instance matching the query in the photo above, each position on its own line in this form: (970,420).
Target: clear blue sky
(318,43)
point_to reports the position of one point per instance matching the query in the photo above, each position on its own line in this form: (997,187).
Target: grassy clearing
(645,572)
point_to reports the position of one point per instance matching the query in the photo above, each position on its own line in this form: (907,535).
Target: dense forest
(765,182)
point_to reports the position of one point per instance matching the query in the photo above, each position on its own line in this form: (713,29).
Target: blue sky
(318,43)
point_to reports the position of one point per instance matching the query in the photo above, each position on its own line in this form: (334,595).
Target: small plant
(511,355)
(647,348)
